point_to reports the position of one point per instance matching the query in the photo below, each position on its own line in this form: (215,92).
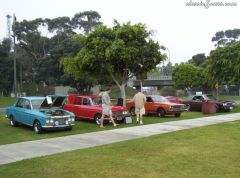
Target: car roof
(89,96)
(32,97)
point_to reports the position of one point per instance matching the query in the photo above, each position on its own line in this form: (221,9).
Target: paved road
(15,152)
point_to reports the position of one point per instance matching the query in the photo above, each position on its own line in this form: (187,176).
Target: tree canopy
(224,64)
(42,43)
(198,60)
(120,52)
(224,38)
(189,76)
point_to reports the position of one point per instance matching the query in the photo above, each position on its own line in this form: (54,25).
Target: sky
(184,27)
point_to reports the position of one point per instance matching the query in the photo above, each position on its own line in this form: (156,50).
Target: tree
(198,60)
(189,76)
(224,64)
(44,51)
(86,20)
(121,52)
(6,71)
(224,38)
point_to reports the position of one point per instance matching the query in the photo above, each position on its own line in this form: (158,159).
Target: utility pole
(14,57)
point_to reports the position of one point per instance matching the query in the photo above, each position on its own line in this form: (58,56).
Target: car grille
(176,108)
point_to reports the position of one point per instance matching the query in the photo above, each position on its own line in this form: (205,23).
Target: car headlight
(51,121)
(224,104)
(47,121)
(125,112)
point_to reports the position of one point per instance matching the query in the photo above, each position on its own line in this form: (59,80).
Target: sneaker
(141,122)
(137,120)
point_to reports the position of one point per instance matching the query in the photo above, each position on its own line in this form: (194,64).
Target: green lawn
(211,151)
(10,134)
(6,101)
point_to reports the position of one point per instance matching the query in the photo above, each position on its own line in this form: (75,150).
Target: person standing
(139,101)
(106,110)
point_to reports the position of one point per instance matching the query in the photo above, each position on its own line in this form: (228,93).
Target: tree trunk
(123,93)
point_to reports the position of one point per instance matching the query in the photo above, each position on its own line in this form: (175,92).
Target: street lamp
(14,57)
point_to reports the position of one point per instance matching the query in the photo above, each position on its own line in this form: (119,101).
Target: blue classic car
(41,113)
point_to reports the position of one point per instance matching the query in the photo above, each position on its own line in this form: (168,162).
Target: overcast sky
(183,28)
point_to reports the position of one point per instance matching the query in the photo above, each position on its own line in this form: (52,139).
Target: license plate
(128,120)
(119,118)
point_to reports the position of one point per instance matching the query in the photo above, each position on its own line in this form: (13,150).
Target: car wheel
(132,111)
(97,118)
(160,112)
(68,129)
(13,122)
(177,115)
(37,127)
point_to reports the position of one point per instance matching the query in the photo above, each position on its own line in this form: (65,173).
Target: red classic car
(159,105)
(90,107)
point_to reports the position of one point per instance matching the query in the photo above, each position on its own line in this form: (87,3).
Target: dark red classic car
(196,103)
(90,107)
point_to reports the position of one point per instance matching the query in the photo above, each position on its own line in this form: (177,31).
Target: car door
(196,103)
(23,111)
(27,114)
(149,105)
(87,109)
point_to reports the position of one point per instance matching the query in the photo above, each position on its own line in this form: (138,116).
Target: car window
(36,103)
(78,101)
(26,104)
(160,99)
(97,101)
(86,101)
(149,99)
(19,103)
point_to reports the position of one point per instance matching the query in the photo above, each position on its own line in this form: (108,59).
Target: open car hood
(53,101)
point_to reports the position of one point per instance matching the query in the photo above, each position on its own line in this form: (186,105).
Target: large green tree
(224,38)
(224,64)
(121,52)
(44,42)
(189,76)
(198,60)
(6,70)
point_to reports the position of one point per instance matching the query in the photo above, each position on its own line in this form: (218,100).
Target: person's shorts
(140,111)
(106,110)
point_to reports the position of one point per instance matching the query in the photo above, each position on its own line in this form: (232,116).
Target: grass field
(6,101)
(211,151)
(10,134)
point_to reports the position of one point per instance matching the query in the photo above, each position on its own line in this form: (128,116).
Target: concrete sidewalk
(24,150)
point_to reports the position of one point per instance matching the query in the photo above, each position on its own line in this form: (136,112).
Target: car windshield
(97,101)
(160,99)
(36,103)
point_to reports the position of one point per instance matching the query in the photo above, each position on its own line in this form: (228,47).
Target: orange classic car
(159,105)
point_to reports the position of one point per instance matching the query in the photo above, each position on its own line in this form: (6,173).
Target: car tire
(97,119)
(161,112)
(37,127)
(13,122)
(132,111)
(177,115)
(68,129)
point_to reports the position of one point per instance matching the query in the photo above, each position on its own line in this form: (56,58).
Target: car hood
(53,102)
